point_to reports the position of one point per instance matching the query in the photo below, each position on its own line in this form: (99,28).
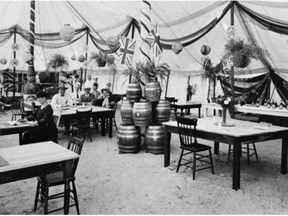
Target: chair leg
(248,154)
(179,162)
(229,152)
(46,194)
(256,155)
(194,165)
(75,197)
(36,195)
(211,161)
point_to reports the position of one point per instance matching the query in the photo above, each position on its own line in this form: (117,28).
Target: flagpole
(145,30)
(232,70)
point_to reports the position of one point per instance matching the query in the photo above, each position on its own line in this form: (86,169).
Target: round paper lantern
(73,57)
(177,47)
(67,32)
(81,58)
(110,59)
(14,62)
(3,61)
(205,49)
(27,57)
(112,41)
(15,47)
(231,32)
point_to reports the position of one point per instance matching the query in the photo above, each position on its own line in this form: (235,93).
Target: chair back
(75,145)
(184,125)
(16,108)
(83,117)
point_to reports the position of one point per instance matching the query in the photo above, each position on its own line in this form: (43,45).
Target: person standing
(89,82)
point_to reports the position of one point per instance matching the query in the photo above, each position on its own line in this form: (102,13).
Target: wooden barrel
(152,91)
(142,115)
(133,92)
(129,139)
(154,139)
(126,113)
(161,112)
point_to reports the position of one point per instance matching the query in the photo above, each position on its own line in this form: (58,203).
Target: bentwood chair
(190,145)
(82,123)
(56,179)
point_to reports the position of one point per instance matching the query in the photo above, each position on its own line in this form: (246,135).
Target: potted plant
(241,53)
(99,58)
(57,63)
(133,92)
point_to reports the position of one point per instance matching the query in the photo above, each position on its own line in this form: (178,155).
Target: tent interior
(190,23)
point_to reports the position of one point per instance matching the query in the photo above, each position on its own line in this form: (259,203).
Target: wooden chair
(17,109)
(83,123)
(246,146)
(57,117)
(189,145)
(56,179)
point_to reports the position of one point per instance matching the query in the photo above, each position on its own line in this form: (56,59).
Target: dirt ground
(112,183)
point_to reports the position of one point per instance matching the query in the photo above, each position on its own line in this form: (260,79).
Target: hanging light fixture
(177,47)
(73,57)
(15,47)
(231,32)
(205,49)
(112,41)
(81,58)
(67,32)
(14,62)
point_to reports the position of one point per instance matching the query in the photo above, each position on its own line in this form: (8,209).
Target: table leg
(236,164)
(284,153)
(103,126)
(66,197)
(167,148)
(182,113)
(20,138)
(199,112)
(110,126)
(216,147)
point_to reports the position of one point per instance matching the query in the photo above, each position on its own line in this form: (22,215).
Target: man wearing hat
(87,97)
(61,98)
(75,95)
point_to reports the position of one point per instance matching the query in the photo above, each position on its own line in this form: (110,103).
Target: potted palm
(57,63)
(133,92)
(99,58)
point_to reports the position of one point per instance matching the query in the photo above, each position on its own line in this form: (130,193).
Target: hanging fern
(57,61)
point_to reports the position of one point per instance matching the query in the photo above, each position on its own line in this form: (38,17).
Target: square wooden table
(38,159)
(187,105)
(243,131)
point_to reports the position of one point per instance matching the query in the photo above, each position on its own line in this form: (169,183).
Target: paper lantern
(3,61)
(14,62)
(73,57)
(112,41)
(231,32)
(67,32)
(110,59)
(177,48)
(15,47)
(27,57)
(81,58)
(205,50)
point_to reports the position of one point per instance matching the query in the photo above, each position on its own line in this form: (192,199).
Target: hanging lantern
(27,57)
(231,32)
(110,59)
(112,41)
(3,61)
(73,57)
(177,48)
(67,32)
(14,62)
(15,47)
(81,58)
(205,49)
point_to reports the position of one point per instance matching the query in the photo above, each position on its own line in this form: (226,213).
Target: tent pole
(86,55)
(166,90)
(232,69)
(14,68)
(132,35)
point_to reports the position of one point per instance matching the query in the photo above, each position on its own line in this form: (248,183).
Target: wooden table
(243,131)
(6,129)
(187,105)
(98,112)
(38,159)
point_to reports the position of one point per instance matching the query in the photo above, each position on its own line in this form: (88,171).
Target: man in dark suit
(87,97)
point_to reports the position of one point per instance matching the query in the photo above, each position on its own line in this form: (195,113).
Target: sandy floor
(112,183)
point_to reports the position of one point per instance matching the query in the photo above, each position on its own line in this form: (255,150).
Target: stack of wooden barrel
(143,117)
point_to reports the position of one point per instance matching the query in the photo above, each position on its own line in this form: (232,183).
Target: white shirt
(62,100)
(89,83)
(74,96)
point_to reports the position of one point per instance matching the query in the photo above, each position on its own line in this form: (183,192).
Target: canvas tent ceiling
(175,19)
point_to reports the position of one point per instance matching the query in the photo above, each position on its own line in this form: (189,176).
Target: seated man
(61,98)
(87,97)
(106,98)
(75,95)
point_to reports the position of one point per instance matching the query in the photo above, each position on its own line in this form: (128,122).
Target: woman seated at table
(43,117)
